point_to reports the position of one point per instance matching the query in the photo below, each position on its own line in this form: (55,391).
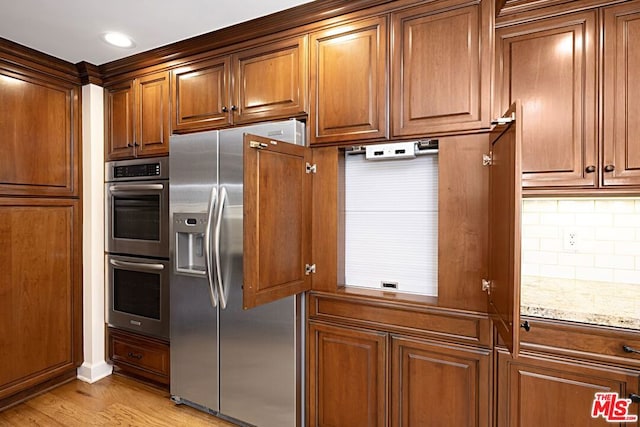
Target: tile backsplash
(591,248)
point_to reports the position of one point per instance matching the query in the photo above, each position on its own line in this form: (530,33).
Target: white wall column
(94,367)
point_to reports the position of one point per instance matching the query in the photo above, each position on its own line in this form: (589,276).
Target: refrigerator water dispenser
(190,234)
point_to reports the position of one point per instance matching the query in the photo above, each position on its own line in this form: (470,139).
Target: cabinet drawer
(139,355)
(403,317)
(589,342)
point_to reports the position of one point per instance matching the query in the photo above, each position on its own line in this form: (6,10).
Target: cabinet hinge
(504,120)
(309,268)
(487,159)
(311,168)
(486,285)
(258,145)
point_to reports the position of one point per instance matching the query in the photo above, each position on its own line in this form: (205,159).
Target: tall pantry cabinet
(40,222)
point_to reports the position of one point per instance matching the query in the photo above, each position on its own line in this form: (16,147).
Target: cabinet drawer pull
(590,169)
(132,355)
(628,349)
(635,398)
(525,325)
(609,168)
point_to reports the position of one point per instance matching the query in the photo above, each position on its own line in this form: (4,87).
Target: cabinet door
(119,125)
(535,391)
(505,201)
(621,156)
(201,94)
(40,285)
(440,69)
(550,65)
(270,81)
(276,221)
(152,115)
(436,385)
(347,376)
(39,136)
(348,82)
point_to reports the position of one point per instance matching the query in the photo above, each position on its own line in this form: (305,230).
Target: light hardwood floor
(113,401)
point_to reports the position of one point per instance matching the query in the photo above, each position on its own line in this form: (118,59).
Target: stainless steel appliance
(235,363)
(138,294)
(137,245)
(137,207)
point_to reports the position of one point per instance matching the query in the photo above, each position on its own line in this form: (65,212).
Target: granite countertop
(601,303)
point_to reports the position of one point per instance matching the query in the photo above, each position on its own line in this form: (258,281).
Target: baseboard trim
(91,373)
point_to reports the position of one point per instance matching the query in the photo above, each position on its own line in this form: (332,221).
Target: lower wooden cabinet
(347,376)
(139,355)
(436,384)
(536,391)
(359,377)
(40,295)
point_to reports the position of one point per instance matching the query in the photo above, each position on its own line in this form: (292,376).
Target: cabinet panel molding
(550,65)
(347,376)
(39,130)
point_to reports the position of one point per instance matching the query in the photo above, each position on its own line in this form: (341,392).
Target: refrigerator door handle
(213,293)
(224,293)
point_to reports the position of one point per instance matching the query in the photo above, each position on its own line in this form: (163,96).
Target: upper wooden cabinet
(348,82)
(440,73)
(550,65)
(263,83)
(621,95)
(39,135)
(137,117)
(439,80)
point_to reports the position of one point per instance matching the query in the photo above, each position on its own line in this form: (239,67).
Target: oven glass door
(138,295)
(137,218)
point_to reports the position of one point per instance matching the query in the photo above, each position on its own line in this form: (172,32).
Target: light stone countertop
(600,303)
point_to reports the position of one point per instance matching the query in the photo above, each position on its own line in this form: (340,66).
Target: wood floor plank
(112,401)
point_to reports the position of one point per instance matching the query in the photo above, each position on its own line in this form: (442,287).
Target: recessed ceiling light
(118,39)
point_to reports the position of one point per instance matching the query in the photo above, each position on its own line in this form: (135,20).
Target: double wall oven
(137,245)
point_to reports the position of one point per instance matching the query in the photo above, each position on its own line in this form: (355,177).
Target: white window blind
(391,223)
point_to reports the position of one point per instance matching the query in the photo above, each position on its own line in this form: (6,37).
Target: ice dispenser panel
(190,232)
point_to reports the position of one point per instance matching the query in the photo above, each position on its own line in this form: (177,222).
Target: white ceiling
(72,29)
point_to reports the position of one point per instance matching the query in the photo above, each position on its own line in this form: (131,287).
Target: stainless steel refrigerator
(240,364)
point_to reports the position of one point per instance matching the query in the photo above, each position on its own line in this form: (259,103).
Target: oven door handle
(222,290)
(213,293)
(135,187)
(137,265)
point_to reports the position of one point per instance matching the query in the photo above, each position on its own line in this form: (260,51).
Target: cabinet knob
(635,398)
(129,145)
(225,109)
(234,108)
(590,169)
(525,325)
(609,168)
(135,144)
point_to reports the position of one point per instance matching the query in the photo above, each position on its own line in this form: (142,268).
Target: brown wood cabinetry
(550,65)
(359,351)
(544,390)
(348,82)
(347,376)
(41,288)
(137,117)
(39,135)
(436,384)
(553,64)
(621,95)
(262,83)
(440,72)
(139,355)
